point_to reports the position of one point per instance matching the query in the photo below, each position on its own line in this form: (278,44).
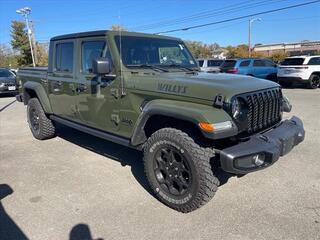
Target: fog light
(258,159)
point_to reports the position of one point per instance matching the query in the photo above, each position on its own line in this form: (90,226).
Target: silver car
(210,65)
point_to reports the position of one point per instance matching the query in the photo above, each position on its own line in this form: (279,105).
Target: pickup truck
(145,91)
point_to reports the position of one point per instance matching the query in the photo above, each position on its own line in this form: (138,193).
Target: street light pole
(25,12)
(251,20)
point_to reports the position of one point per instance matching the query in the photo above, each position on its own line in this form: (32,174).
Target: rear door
(244,67)
(260,69)
(61,80)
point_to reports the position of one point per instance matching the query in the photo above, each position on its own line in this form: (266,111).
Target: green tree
(7,57)
(201,50)
(42,54)
(20,42)
(278,56)
(118,27)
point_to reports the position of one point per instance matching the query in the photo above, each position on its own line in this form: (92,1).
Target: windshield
(6,73)
(292,61)
(137,51)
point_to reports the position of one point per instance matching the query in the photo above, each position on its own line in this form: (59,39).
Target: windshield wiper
(147,66)
(183,67)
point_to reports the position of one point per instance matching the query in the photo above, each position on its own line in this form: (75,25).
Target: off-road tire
(314,81)
(46,128)
(204,183)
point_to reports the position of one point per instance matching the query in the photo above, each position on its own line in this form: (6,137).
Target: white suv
(305,69)
(211,65)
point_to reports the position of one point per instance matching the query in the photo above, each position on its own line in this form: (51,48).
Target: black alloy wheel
(172,171)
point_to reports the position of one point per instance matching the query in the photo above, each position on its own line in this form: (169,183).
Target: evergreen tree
(20,42)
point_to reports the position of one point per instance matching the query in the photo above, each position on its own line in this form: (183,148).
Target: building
(296,48)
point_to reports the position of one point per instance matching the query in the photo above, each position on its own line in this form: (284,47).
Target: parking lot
(76,186)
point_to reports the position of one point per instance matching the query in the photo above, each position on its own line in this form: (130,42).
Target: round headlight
(235,108)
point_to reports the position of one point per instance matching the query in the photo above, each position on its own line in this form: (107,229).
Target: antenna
(122,92)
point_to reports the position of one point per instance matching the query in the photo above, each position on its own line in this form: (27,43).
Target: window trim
(55,57)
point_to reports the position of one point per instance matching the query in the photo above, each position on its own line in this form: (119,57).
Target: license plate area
(11,88)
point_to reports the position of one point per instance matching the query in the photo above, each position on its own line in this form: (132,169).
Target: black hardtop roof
(80,34)
(105,32)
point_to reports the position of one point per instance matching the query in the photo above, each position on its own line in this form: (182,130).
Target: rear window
(64,57)
(292,61)
(200,63)
(228,63)
(214,63)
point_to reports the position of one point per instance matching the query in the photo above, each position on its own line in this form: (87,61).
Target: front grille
(264,109)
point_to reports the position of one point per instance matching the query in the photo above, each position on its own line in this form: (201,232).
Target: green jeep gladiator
(145,91)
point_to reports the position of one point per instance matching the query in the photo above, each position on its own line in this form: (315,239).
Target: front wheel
(314,81)
(40,125)
(179,170)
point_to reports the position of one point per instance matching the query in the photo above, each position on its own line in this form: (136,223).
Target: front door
(61,80)
(96,97)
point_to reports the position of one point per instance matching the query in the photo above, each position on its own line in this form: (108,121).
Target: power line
(210,13)
(199,14)
(237,18)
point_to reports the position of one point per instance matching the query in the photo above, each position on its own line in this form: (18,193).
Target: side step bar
(94,132)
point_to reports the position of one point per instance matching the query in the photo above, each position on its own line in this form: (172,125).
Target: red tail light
(234,70)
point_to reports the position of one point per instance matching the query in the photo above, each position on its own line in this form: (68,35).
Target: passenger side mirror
(101,66)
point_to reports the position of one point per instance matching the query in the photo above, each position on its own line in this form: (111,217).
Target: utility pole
(33,40)
(251,20)
(25,12)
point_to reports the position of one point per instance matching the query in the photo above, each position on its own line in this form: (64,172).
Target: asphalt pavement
(78,187)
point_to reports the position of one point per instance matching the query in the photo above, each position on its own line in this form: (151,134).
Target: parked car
(256,67)
(8,83)
(147,93)
(303,69)
(211,65)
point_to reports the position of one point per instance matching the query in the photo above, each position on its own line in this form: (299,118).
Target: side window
(259,63)
(200,63)
(269,63)
(245,63)
(64,57)
(90,51)
(314,61)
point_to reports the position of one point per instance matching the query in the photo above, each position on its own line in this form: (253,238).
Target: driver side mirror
(101,66)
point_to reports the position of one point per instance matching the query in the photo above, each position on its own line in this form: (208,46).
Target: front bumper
(270,145)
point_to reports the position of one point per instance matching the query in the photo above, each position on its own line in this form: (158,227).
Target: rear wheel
(179,170)
(314,81)
(40,125)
